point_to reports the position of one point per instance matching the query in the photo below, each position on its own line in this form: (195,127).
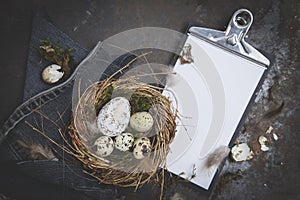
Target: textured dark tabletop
(276,30)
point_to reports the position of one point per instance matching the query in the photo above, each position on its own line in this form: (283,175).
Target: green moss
(105,97)
(57,55)
(137,102)
(140,103)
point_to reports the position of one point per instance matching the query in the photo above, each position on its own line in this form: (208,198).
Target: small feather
(274,112)
(38,152)
(215,158)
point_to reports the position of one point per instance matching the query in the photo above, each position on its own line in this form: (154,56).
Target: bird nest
(122,167)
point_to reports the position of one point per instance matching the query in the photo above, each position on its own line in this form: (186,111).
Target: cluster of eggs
(112,121)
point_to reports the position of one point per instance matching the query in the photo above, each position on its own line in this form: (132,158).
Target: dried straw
(119,169)
(115,169)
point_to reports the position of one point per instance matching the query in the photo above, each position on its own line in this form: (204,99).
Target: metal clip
(238,26)
(233,38)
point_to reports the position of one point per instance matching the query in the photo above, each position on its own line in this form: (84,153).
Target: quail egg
(141,147)
(52,73)
(124,141)
(104,146)
(114,117)
(141,121)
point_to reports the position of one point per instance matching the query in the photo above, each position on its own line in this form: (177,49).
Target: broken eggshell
(124,141)
(262,141)
(52,73)
(114,117)
(141,147)
(269,130)
(104,146)
(275,136)
(241,152)
(141,121)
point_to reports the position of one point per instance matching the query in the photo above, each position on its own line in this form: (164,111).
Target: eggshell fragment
(114,117)
(141,121)
(262,141)
(52,73)
(275,136)
(241,152)
(269,130)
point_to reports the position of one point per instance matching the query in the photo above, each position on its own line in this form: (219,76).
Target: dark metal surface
(275,30)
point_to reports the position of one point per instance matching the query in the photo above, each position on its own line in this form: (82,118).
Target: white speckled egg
(114,117)
(52,73)
(141,147)
(124,141)
(141,121)
(104,146)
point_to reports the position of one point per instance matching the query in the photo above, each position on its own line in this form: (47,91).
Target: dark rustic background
(276,31)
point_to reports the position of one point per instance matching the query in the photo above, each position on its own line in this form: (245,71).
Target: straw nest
(121,168)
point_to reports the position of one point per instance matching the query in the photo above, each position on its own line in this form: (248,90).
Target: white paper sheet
(212,94)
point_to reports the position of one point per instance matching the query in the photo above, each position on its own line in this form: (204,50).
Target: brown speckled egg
(141,147)
(141,121)
(104,146)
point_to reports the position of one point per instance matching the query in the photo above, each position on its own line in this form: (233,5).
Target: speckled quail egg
(124,141)
(114,117)
(104,146)
(141,121)
(52,73)
(141,147)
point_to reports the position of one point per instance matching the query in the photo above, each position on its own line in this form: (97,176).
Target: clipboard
(212,93)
